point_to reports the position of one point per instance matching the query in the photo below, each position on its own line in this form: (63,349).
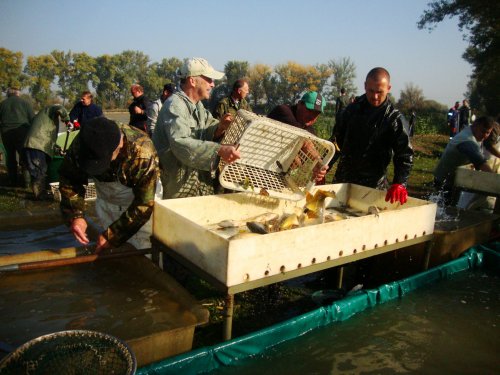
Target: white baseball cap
(197,66)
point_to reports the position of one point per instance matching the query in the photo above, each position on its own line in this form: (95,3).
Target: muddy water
(121,297)
(449,328)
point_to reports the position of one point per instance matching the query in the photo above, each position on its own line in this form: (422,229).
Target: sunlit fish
(315,203)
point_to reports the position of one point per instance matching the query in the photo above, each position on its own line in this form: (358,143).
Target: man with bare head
(370,133)
(138,108)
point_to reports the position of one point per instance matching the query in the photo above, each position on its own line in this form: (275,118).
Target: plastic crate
(90,192)
(276,159)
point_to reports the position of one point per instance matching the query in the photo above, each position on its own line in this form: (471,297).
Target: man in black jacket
(370,133)
(84,110)
(138,108)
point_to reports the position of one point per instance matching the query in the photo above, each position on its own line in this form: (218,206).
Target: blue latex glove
(397,192)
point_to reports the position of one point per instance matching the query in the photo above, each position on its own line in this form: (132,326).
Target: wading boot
(26,178)
(39,190)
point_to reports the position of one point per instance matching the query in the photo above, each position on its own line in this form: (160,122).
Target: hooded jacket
(43,131)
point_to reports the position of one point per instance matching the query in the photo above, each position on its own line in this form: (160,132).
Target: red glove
(76,124)
(397,192)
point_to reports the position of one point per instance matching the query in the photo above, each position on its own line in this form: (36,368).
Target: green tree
(167,69)
(290,80)
(159,74)
(411,97)
(130,67)
(105,85)
(84,73)
(258,74)
(42,72)
(64,73)
(11,69)
(344,74)
(478,20)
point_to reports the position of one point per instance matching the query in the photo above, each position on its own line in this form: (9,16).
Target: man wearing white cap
(184,135)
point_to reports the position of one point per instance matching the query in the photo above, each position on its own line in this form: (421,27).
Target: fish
(263,218)
(373,210)
(334,217)
(243,235)
(257,227)
(305,221)
(246,183)
(228,224)
(268,216)
(314,203)
(289,221)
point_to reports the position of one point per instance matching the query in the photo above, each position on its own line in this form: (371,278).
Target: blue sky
(370,33)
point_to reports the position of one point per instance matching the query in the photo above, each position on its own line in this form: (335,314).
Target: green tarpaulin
(230,352)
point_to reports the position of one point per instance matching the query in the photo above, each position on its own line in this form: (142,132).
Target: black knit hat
(99,138)
(169,87)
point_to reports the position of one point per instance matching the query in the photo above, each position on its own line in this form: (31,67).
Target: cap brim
(214,74)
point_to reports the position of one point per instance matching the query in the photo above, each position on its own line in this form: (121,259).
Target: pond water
(34,238)
(448,328)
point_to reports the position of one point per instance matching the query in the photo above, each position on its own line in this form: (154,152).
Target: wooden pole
(43,255)
(69,261)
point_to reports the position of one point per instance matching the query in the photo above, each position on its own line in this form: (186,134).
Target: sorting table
(188,230)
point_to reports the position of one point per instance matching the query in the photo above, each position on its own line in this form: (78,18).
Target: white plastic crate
(276,159)
(90,193)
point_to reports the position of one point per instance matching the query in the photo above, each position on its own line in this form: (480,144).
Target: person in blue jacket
(84,110)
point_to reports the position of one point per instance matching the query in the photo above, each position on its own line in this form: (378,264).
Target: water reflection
(447,328)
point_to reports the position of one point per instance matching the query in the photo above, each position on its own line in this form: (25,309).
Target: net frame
(277,159)
(71,352)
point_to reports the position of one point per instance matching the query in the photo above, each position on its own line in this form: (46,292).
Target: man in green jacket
(16,115)
(39,145)
(235,101)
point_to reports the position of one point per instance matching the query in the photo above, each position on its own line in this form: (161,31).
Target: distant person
(84,110)
(464,115)
(412,122)
(185,132)
(492,143)
(340,104)
(122,162)
(138,108)
(466,147)
(39,145)
(16,115)
(303,115)
(154,108)
(370,133)
(470,200)
(236,100)
(453,119)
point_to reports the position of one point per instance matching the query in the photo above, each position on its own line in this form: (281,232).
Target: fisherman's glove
(397,192)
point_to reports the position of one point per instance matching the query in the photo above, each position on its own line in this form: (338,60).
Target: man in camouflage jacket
(123,163)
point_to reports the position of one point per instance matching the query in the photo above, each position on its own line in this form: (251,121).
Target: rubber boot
(37,188)
(26,178)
